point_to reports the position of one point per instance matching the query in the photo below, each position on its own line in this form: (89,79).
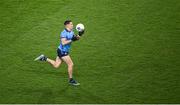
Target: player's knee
(70,64)
(56,65)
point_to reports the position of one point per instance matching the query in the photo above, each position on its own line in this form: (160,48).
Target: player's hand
(78,37)
(81,33)
(75,38)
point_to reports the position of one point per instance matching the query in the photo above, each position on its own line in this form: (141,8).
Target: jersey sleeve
(73,32)
(63,34)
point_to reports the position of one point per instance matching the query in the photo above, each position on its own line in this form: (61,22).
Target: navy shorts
(61,53)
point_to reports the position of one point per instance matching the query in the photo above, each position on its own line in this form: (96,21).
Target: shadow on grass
(66,93)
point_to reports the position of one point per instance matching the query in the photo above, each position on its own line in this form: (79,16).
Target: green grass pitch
(129,54)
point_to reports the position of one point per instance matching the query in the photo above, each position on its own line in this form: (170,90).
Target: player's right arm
(64,41)
(63,38)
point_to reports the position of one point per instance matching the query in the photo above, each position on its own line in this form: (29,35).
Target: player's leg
(55,63)
(67,59)
(69,62)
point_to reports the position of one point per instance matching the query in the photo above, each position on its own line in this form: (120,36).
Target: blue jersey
(68,35)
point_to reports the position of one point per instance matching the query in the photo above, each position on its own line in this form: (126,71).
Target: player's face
(70,25)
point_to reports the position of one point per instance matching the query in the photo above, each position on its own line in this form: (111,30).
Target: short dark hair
(67,22)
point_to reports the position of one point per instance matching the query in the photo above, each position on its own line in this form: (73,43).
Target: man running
(66,38)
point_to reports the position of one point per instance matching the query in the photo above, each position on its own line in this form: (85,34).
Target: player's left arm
(75,37)
(78,36)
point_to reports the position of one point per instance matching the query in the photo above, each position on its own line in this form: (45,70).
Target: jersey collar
(67,30)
